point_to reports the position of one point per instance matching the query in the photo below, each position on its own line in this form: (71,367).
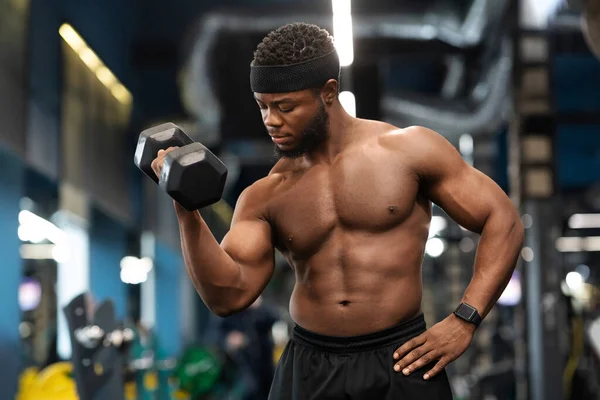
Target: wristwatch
(468,313)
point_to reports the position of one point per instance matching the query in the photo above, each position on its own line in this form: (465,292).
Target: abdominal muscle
(358,285)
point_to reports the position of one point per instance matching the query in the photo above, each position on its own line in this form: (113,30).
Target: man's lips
(280,139)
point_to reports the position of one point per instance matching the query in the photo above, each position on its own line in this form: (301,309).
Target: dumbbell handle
(91,336)
(159,137)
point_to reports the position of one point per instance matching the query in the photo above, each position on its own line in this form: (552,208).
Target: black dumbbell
(192,175)
(159,137)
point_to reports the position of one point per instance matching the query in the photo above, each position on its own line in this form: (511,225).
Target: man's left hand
(444,342)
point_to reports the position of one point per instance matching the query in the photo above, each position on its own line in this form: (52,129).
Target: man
(349,205)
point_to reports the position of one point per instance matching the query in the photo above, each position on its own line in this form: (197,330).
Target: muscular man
(349,205)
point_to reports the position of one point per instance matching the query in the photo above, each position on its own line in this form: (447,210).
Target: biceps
(468,196)
(249,244)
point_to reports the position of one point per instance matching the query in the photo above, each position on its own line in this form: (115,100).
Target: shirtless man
(349,205)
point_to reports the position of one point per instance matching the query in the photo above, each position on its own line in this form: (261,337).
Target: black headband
(294,77)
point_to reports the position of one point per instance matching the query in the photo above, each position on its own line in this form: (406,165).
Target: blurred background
(93,290)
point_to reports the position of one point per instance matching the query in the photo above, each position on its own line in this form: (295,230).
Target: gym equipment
(92,336)
(99,350)
(590,21)
(159,137)
(192,175)
(198,371)
(52,383)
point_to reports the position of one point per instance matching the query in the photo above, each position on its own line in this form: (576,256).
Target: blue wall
(578,151)
(108,245)
(576,81)
(169,267)
(11,190)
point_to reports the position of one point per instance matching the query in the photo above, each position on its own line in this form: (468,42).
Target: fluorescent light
(72,37)
(105,76)
(73,277)
(36,251)
(93,62)
(61,253)
(437,225)
(466,245)
(348,102)
(527,221)
(435,247)
(535,14)
(134,270)
(574,280)
(527,254)
(511,296)
(465,145)
(578,244)
(121,93)
(35,229)
(342,31)
(341,7)
(584,221)
(90,58)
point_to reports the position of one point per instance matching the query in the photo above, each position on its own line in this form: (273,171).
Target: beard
(315,133)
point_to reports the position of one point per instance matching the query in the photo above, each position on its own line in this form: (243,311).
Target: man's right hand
(158,162)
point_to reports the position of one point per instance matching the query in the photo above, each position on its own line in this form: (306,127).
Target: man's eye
(287,110)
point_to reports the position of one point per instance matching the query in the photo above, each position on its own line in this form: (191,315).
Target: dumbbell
(92,336)
(191,174)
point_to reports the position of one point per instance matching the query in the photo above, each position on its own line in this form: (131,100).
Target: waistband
(401,332)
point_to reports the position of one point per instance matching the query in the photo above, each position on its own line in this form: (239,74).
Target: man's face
(297,122)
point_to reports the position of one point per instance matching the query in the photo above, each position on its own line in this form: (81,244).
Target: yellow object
(52,383)
(27,380)
(130,391)
(277,352)
(577,325)
(181,395)
(150,381)
(98,369)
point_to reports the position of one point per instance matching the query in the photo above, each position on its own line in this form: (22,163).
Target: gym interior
(96,302)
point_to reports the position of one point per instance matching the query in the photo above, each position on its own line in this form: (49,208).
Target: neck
(340,134)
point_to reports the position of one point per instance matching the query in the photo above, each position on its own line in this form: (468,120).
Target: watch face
(466,312)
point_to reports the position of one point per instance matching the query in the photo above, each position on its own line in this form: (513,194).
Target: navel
(344,303)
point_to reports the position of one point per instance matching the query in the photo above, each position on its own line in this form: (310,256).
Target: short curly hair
(293,43)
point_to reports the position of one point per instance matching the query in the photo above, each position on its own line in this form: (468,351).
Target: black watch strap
(468,313)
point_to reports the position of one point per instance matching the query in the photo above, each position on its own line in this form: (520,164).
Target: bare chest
(353,194)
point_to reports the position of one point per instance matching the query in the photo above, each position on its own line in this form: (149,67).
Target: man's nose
(271,118)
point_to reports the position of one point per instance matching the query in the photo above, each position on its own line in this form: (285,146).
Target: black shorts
(319,367)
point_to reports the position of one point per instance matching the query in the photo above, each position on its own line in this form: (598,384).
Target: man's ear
(330,91)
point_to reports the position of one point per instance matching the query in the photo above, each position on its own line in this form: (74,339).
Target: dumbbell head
(159,137)
(89,336)
(193,176)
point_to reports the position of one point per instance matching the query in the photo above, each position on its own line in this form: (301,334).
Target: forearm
(218,279)
(497,253)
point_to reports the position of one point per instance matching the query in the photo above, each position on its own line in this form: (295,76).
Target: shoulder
(412,138)
(424,150)
(260,190)
(255,198)
(417,142)
(390,137)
